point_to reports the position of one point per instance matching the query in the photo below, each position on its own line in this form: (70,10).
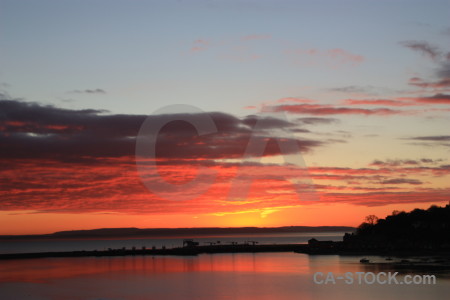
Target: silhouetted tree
(371,219)
(419,229)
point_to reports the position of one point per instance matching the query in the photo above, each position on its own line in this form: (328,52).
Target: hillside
(416,230)
(158,232)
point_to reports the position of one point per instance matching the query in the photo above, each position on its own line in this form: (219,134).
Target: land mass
(171,232)
(419,232)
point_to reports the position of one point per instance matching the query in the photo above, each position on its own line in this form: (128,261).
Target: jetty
(189,248)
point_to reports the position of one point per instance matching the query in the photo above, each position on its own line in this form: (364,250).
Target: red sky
(77,171)
(314,116)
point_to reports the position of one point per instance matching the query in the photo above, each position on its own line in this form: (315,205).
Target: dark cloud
(269,122)
(444,70)
(442,73)
(354,89)
(394,163)
(442,58)
(314,121)
(88,91)
(430,141)
(438,98)
(401,181)
(403,162)
(349,89)
(435,99)
(443,83)
(436,138)
(423,47)
(31,130)
(426,160)
(300,130)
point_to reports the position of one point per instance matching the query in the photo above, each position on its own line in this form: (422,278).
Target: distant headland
(172,232)
(419,232)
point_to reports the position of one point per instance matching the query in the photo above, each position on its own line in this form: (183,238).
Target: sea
(278,275)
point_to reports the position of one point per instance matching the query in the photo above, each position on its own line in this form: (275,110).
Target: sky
(319,112)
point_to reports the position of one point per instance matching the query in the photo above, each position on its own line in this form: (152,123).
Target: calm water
(104,244)
(207,276)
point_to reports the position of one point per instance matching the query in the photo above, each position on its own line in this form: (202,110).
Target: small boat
(363,260)
(389,258)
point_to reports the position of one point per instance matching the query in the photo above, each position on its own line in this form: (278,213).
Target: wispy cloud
(318,109)
(401,181)
(256,37)
(200,45)
(401,101)
(403,162)
(442,72)
(444,69)
(88,91)
(295,100)
(435,99)
(316,120)
(437,138)
(419,82)
(430,141)
(333,58)
(348,89)
(361,91)
(4,85)
(378,102)
(423,47)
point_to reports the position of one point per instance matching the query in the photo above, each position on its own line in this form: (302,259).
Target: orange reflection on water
(46,269)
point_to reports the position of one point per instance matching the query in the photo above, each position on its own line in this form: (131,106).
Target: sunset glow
(367,107)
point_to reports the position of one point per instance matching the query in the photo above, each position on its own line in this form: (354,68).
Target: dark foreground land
(314,247)
(189,250)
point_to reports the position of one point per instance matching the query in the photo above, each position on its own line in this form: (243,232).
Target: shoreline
(334,249)
(181,251)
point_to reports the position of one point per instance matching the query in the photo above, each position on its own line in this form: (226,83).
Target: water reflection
(39,270)
(217,276)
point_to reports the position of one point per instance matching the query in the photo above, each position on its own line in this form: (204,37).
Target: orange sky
(23,222)
(346,196)
(361,105)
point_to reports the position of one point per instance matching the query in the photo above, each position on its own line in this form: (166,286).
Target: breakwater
(190,250)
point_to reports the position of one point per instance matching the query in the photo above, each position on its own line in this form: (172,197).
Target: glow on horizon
(368,102)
